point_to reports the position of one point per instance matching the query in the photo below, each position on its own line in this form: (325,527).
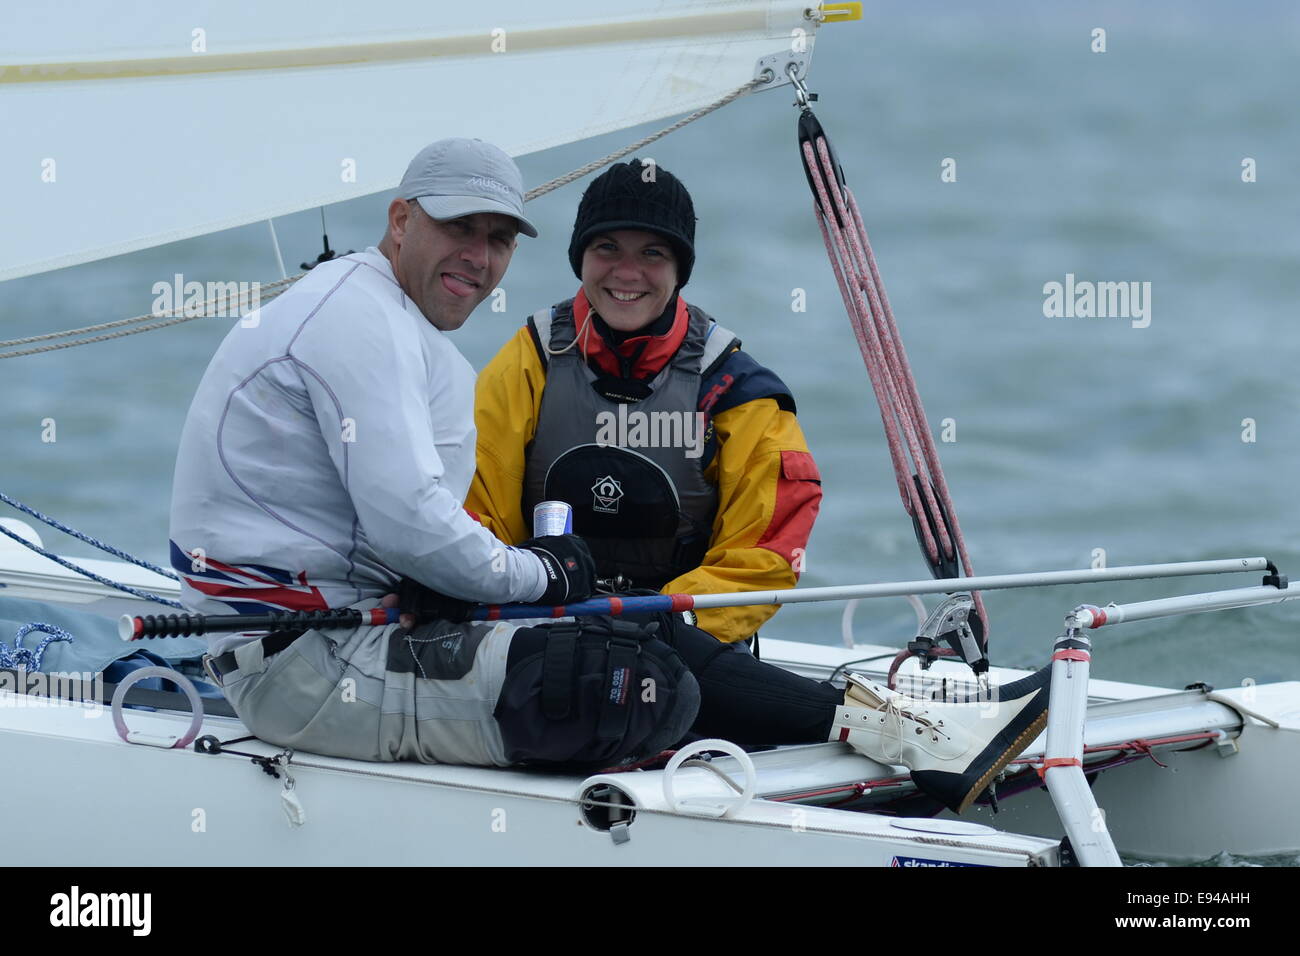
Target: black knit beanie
(622,198)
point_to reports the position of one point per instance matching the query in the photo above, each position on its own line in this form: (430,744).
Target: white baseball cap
(459,177)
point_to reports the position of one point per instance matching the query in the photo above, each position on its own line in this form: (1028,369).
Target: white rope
(580,337)
(177,320)
(591,167)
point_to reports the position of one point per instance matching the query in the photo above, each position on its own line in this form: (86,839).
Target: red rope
(1051,762)
(891,679)
(892,381)
(1138,747)
(869,345)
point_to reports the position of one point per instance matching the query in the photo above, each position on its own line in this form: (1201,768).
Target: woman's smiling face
(629,275)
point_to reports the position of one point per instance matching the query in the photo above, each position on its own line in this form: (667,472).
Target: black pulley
(810,130)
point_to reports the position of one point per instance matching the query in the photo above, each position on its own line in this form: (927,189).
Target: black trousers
(747,701)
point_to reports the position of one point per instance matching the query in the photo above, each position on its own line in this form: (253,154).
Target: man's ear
(399,215)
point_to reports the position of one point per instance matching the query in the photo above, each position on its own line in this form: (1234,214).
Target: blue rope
(23,658)
(83,537)
(89,540)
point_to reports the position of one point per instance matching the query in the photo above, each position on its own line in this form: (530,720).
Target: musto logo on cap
(606,494)
(482,182)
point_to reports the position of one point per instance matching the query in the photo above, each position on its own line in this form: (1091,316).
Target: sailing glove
(570,569)
(430,605)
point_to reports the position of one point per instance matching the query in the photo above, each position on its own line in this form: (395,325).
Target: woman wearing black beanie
(686,472)
(680,455)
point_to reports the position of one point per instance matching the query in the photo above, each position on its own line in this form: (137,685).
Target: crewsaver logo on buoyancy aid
(637,429)
(605,495)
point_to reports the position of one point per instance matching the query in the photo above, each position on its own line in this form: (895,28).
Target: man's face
(447,267)
(629,275)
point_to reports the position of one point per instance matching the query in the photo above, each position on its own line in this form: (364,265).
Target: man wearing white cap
(324,462)
(469,190)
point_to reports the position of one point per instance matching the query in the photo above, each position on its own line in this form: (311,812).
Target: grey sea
(994,151)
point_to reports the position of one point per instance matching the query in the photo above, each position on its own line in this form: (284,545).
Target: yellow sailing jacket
(769,489)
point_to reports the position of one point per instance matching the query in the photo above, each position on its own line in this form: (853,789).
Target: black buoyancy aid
(631,468)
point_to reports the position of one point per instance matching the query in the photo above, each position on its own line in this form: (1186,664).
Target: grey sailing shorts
(379,693)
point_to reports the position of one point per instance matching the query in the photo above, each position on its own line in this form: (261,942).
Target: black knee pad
(593,694)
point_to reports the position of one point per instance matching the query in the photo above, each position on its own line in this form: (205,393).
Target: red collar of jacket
(658,348)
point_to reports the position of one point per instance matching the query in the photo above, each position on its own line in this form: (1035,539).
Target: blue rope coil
(20,658)
(91,541)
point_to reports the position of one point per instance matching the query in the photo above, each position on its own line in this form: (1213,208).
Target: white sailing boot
(954,750)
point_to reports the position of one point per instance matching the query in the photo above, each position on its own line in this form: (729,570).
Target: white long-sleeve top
(327,452)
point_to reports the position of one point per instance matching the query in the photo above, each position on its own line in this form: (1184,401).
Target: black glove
(570,570)
(428,605)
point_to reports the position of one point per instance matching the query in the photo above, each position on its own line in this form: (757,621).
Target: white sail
(129,126)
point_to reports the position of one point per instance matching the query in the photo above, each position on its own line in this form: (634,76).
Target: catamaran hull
(1231,769)
(105,802)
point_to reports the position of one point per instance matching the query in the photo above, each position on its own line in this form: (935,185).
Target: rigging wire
(275,243)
